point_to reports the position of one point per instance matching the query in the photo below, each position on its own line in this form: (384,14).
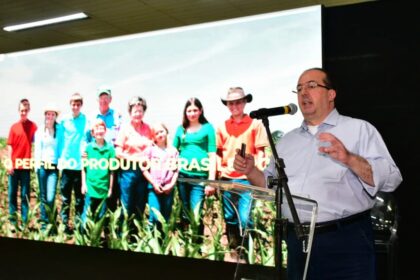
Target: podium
(261,266)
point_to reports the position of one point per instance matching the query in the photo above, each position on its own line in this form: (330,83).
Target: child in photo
(162,174)
(97,175)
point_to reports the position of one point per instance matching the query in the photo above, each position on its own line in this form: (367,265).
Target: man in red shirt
(237,130)
(19,144)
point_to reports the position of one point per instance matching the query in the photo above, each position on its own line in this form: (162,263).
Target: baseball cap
(104,90)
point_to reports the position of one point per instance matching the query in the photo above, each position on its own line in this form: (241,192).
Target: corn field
(109,232)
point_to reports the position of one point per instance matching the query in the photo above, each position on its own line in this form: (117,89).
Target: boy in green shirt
(97,175)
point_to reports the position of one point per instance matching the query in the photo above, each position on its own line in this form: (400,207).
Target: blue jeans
(93,204)
(133,187)
(23,177)
(238,205)
(160,202)
(71,180)
(47,181)
(191,195)
(345,253)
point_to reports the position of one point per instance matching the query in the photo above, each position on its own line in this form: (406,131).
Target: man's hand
(245,164)
(336,150)
(359,165)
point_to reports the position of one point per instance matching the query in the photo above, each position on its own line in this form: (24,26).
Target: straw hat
(236,95)
(51,108)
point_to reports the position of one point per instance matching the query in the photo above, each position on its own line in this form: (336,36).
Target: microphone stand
(281,183)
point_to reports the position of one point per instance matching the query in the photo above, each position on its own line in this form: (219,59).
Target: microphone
(264,112)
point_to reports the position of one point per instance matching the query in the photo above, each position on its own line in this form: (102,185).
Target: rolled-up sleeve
(386,175)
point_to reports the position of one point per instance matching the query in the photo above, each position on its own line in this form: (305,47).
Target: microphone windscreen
(293,108)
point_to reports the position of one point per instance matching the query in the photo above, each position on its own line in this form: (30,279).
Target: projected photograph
(112,143)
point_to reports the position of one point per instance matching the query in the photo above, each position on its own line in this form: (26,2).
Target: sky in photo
(264,54)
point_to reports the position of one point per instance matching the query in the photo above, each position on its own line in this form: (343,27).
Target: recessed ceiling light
(44,22)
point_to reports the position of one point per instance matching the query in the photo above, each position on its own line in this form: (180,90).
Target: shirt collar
(245,120)
(109,112)
(331,120)
(80,116)
(104,147)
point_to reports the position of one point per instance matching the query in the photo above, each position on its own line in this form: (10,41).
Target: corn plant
(61,236)
(190,235)
(3,180)
(213,220)
(89,233)
(26,226)
(51,227)
(162,234)
(146,240)
(119,232)
(261,247)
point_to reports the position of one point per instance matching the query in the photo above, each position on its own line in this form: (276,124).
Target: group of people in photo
(104,162)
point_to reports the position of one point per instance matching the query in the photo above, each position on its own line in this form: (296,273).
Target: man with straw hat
(237,130)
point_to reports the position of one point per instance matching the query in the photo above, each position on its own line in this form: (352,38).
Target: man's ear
(331,94)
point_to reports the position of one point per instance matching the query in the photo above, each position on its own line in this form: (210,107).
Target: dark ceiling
(109,18)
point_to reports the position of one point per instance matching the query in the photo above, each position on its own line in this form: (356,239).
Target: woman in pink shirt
(162,175)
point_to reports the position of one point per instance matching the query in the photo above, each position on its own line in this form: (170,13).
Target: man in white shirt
(343,175)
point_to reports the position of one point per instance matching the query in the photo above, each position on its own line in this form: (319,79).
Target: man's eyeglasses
(309,85)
